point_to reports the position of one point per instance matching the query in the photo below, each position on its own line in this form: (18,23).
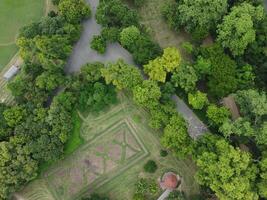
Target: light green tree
(158,68)
(229,172)
(237,30)
(198,100)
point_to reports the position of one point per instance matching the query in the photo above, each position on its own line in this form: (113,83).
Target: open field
(117,143)
(14,15)
(151,18)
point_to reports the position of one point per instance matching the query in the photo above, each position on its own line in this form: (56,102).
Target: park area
(14,15)
(114,146)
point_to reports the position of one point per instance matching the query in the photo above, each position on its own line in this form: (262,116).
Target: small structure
(11,72)
(229,102)
(169,182)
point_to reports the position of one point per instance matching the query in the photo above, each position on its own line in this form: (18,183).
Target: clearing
(117,143)
(14,15)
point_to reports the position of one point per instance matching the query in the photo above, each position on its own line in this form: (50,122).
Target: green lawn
(6,54)
(13,15)
(106,154)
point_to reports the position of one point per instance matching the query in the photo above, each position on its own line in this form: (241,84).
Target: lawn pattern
(97,162)
(117,144)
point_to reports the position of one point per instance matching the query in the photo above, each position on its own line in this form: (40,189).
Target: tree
(239,127)
(74,11)
(262,185)
(252,103)
(222,77)
(49,81)
(17,168)
(261,136)
(175,137)
(158,68)
(128,36)
(217,115)
(198,100)
(150,166)
(237,29)
(185,77)
(14,115)
(5,131)
(201,14)
(91,72)
(99,44)
(122,75)
(147,94)
(113,13)
(229,172)
(203,66)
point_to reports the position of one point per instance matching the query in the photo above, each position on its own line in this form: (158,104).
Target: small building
(11,72)
(170,181)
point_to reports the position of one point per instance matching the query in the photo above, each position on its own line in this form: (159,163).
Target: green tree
(229,172)
(147,94)
(99,44)
(261,136)
(201,14)
(175,137)
(252,103)
(158,68)
(262,185)
(237,29)
(14,115)
(122,75)
(128,36)
(217,115)
(74,11)
(185,77)
(198,100)
(91,72)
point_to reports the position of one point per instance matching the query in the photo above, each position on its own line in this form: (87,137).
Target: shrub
(110,34)
(99,44)
(150,166)
(198,100)
(163,153)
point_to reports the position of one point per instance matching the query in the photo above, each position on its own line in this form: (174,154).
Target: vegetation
(150,166)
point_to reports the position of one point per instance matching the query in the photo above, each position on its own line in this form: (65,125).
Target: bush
(150,166)
(163,153)
(110,34)
(99,44)
(198,100)
(176,195)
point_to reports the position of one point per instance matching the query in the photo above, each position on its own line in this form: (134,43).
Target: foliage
(14,115)
(197,17)
(163,153)
(145,189)
(147,94)
(5,130)
(229,172)
(96,96)
(99,44)
(240,127)
(198,100)
(217,115)
(176,195)
(237,29)
(122,75)
(222,71)
(110,34)
(176,138)
(74,10)
(262,185)
(113,13)
(158,68)
(91,72)
(185,77)
(128,36)
(150,166)
(252,103)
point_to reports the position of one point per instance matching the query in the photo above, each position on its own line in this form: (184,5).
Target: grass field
(151,18)
(14,15)
(117,143)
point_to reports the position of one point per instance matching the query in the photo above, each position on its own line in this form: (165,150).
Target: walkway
(83,54)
